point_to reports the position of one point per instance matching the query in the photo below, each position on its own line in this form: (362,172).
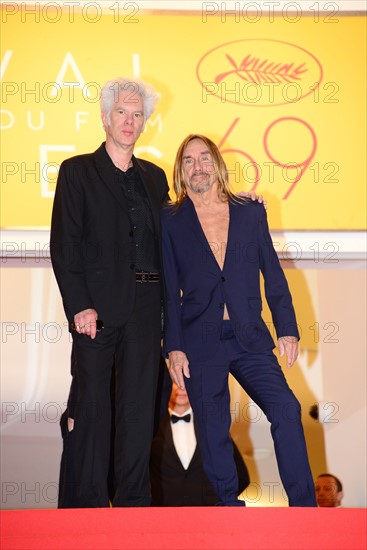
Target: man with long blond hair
(215,245)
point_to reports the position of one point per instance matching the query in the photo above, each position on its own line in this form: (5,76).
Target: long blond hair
(179,186)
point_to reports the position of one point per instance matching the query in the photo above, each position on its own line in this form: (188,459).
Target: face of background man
(125,122)
(327,494)
(179,401)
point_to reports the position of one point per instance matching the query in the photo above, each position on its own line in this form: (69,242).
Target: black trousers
(132,355)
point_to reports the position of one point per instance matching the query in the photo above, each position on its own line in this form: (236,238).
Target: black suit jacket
(172,485)
(91,235)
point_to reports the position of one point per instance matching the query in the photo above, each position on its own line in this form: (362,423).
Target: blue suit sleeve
(277,291)
(173,339)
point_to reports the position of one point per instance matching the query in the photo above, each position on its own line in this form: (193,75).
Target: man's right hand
(85,322)
(178,366)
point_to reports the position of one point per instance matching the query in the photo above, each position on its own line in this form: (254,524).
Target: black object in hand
(99,325)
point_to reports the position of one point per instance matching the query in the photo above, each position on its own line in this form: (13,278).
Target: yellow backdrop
(283,97)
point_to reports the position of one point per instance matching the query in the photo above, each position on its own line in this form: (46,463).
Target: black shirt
(144,252)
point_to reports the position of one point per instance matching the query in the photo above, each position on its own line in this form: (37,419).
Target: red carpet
(185,529)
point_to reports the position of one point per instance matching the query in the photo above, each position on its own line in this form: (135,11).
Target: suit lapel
(151,191)
(195,456)
(108,175)
(192,221)
(167,430)
(231,243)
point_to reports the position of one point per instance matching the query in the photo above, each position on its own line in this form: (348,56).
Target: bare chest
(215,224)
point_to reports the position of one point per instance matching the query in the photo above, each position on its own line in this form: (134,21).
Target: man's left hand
(289,346)
(178,367)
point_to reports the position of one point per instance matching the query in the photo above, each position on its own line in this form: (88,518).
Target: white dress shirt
(184,439)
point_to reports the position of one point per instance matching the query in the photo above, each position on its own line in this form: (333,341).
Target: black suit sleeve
(66,241)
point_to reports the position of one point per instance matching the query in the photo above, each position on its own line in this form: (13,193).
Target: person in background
(176,469)
(329,491)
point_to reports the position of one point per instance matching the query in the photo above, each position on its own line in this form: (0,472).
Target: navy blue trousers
(260,375)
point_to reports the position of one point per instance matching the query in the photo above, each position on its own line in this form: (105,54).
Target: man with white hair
(106,255)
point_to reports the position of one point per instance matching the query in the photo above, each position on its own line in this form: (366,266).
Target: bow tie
(175,418)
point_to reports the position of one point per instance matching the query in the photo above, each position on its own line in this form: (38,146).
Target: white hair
(112,89)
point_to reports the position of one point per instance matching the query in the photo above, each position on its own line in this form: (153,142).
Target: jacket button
(222,279)
(132,266)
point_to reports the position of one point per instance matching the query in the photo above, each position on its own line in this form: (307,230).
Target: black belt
(146,277)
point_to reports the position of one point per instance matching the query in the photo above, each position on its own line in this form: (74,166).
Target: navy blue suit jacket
(197,288)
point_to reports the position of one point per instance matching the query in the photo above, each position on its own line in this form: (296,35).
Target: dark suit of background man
(214,247)
(176,469)
(106,255)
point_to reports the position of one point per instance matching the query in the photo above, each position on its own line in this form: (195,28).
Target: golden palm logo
(258,72)
(252,69)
